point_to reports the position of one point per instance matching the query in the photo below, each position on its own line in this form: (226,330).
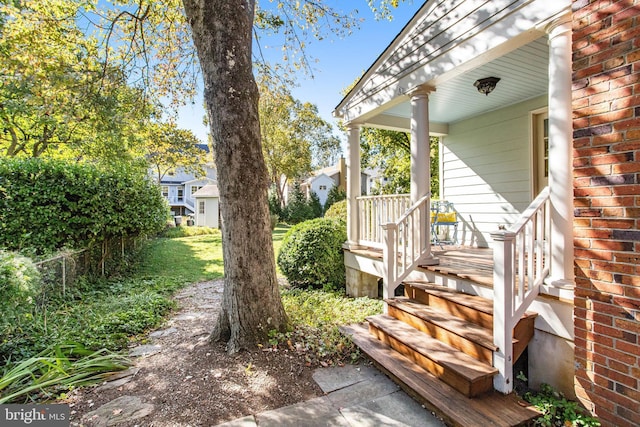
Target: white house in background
(323,180)
(178,187)
(207,203)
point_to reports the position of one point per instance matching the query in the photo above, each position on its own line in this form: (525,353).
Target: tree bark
(222,33)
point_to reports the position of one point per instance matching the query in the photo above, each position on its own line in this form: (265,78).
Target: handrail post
(503,323)
(389,260)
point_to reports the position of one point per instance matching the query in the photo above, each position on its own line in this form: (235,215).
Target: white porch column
(560,152)
(420,163)
(353,183)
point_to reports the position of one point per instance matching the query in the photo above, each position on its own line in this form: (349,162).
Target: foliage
(293,137)
(19,280)
(390,153)
(48,204)
(188,231)
(335,195)
(172,148)
(56,369)
(58,97)
(338,210)
(298,208)
(275,208)
(311,254)
(315,205)
(315,316)
(557,410)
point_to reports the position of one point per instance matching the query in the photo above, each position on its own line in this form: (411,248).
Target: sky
(340,62)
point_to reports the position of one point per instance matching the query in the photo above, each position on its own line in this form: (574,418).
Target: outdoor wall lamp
(486,85)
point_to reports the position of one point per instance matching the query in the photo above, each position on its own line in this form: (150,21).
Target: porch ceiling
(523,75)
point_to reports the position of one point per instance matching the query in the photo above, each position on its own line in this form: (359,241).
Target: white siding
(210,216)
(320,182)
(486,170)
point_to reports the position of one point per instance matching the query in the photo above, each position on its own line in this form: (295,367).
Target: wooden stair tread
(460,327)
(444,355)
(456,409)
(472,301)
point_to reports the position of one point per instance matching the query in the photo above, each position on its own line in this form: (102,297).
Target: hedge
(46,205)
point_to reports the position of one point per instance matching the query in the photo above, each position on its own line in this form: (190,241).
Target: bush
(315,205)
(19,280)
(48,204)
(557,410)
(298,209)
(338,211)
(311,254)
(335,195)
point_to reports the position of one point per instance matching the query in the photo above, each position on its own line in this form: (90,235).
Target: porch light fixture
(486,85)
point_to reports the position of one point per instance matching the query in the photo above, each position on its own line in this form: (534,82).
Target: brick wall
(606,107)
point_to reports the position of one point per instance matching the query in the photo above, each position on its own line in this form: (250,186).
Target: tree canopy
(295,139)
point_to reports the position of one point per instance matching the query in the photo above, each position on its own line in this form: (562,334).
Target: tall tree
(57,97)
(295,139)
(222,32)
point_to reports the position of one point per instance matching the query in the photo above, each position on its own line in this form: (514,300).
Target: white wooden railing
(521,257)
(405,243)
(377,210)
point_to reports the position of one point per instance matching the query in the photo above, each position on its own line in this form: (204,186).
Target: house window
(323,188)
(201,207)
(165,191)
(195,188)
(180,194)
(541,151)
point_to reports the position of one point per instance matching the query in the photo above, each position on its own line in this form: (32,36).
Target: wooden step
(489,409)
(471,308)
(467,337)
(462,372)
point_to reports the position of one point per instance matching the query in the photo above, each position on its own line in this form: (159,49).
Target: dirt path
(180,379)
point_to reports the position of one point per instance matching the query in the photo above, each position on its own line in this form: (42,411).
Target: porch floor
(475,264)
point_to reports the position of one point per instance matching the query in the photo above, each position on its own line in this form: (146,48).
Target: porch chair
(444,223)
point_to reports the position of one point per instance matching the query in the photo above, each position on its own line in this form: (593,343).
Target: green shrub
(298,209)
(188,231)
(311,254)
(50,204)
(335,195)
(338,210)
(557,410)
(19,279)
(314,204)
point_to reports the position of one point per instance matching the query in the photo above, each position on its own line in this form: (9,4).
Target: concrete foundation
(361,284)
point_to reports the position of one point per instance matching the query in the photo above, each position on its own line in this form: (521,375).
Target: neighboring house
(323,180)
(178,188)
(554,197)
(207,203)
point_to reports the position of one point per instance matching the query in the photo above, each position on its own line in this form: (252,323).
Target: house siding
(490,183)
(606,106)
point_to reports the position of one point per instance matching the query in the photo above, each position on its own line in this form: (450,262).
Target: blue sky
(340,61)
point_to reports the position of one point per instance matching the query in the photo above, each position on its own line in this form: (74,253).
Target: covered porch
(505,165)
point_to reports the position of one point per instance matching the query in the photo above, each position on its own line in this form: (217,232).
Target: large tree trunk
(222,33)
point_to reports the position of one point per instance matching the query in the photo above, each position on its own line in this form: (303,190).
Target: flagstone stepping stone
(145,350)
(118,379)
(163,332)
(118,411)
(189,316)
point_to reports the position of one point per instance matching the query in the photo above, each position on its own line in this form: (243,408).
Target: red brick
(628,325)
(627,347)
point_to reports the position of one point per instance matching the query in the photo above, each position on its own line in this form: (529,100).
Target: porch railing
(377,210)
(404,244)
(521,263)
